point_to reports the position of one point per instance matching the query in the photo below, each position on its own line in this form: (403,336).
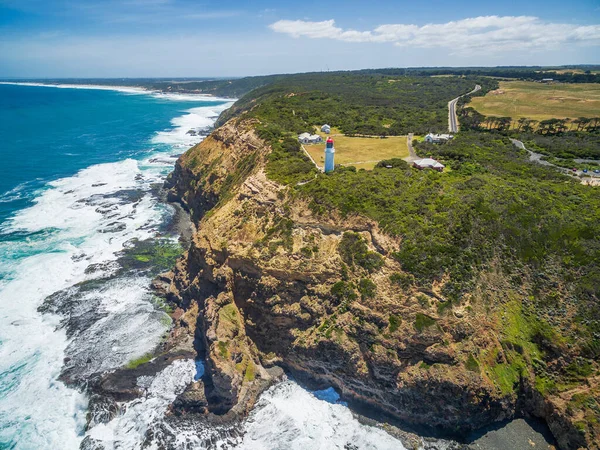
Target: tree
(503,123)
(521,122)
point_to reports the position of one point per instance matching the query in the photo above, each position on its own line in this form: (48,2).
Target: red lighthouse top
(329,140)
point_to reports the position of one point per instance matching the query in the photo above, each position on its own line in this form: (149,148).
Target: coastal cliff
(268,283)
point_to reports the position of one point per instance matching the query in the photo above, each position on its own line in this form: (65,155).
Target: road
(537,157)
(412,155)
(311,158)
(452,119)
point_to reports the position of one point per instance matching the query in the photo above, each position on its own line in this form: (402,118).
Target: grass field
(361,152)
(540,101)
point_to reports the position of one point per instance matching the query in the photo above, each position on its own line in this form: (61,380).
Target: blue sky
(169,38)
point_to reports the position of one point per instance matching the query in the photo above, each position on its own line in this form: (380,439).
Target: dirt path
(311,158)
(412,155)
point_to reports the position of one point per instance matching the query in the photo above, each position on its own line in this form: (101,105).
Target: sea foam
(75,223)
(288,416)
(175,96)
(196,119)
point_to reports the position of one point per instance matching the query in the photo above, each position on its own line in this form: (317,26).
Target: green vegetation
(491,213)
(366,288)
(364,103)
(229,318)
(395,163)
(354,251)
(249,373)
(574,144)
(361,152)
(395,322)
(404,280)
(141,360)
(240,86)
(472,364)
(540,101)
(152,255)
(223,349)
(287,162)
(443,306)
(343,291)
(491,206)
(282,228)
(526,341)
(422,321)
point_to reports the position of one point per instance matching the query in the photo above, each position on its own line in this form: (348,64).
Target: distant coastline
(125,89)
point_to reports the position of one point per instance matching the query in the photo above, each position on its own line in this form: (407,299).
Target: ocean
(78,186)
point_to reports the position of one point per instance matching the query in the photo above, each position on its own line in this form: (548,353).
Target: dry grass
(361,152)
(561,71)
(540,101)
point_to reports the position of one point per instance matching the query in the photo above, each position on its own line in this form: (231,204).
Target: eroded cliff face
(268,284)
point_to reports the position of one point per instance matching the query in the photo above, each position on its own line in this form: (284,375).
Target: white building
(326,129)
(438,138)
(307,138)
(428,163)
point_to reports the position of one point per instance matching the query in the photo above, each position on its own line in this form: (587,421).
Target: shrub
(366,288)
(422,321)
(472,364)
(395,322)
(404,280)
(354,251)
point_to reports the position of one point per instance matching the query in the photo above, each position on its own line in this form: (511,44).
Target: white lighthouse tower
(329,155)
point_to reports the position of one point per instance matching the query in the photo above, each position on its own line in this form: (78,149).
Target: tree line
(472,119)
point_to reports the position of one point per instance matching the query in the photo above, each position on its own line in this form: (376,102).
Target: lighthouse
(329,154)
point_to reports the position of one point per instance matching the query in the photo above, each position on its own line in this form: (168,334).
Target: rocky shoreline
(262,302)
(250,302)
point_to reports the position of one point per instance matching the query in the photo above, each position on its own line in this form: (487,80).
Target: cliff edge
(268,283)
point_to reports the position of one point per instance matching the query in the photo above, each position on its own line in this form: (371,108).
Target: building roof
(439,136)
(310,137)
(429,162)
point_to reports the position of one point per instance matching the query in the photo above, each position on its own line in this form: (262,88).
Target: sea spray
(128,430)
(62,248)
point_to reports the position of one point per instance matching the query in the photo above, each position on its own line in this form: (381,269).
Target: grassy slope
(492,211)
(361,152)
(492,215)
(540,101)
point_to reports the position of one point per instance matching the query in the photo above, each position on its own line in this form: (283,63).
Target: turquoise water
(48,133)
(78,168)
(76,187)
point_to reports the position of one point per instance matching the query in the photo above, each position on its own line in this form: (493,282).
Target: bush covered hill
(357,103)
(494,233)
(491,207)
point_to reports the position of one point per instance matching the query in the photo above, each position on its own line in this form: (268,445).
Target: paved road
(537,157)
(452,119)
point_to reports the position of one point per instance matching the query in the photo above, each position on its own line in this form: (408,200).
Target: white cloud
(477,34)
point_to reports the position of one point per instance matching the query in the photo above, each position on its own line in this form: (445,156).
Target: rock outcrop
(270,284)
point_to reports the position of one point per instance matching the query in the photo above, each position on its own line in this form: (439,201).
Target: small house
(307,138)
(438,138)
(326,129)
(428,163)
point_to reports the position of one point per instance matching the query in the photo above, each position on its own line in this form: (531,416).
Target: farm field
(361,152)
(540,101)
